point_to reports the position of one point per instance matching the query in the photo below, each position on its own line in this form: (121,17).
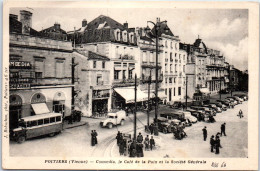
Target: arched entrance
(38,103)
(59,103)
(15,110)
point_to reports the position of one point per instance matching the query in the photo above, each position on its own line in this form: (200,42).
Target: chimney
(26,20)
(126,25)
(15,17)
(84,23)
(57,26)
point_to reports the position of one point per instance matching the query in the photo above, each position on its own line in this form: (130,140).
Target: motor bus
(37,125)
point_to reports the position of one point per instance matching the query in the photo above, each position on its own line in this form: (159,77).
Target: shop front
(100,99)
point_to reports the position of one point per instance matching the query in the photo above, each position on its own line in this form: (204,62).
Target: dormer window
(117,35)
(125,36)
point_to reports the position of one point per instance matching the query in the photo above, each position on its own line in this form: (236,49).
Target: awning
(161,95)
(152,95)
(128,93)
(204,90)
(40,108)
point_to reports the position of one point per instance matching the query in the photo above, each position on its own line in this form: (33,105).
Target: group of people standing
(134,147)
(215,141)
(94,137)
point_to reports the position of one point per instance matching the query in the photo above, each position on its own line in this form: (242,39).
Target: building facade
(38,81)
(92,85)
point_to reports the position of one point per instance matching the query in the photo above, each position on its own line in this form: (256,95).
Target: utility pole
(220,90)
(156,26)
(148,110)
(73,65)
(186,92)
(135,109)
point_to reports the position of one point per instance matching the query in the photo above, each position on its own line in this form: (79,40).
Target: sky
(221,29)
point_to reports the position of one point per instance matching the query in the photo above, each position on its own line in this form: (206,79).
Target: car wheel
(122,122)
(164,131)
(109,125)
(52,134)
(21,139)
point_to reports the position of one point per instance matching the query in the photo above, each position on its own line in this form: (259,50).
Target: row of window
(103,64)
(121,74)
(124,36)
(171,44)
(171,69)
(40,66)
(41,122)
(174,91)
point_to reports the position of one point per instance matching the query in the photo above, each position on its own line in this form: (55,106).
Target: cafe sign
(20,65)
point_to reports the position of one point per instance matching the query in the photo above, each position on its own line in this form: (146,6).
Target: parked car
(222,105)
(242,96)
(240,100)
(179,115)
(225,91)
(177,105)
(163,125)
(225,102)
(193,112)
(215,107)
(189,116)
(229,99)
(114,118)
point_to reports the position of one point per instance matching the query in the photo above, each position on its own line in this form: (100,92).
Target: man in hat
(212,143)
(152,143)
(140,138)
(223,129)
(205,133)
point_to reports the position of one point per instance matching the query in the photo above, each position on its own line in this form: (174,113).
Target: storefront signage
(19,86)
(19,65)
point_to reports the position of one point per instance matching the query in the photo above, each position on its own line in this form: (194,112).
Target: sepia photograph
(158,86)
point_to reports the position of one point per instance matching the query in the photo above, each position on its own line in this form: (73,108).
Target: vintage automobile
(165,125)
(189,116)
(114,118)
(231,101)
(179,115)
(215,107)
(200,113)
(242,96)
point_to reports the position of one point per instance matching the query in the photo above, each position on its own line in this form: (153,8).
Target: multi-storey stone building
(206,70)
(92,85)
(173,61)
(39,82)
(117,42)
(147,65)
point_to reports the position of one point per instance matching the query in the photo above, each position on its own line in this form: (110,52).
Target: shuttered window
(39,68)
(59,69)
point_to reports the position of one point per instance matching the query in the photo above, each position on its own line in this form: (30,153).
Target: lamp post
(155,34)
(148,106)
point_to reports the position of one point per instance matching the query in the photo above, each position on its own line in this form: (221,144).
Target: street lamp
(157,26)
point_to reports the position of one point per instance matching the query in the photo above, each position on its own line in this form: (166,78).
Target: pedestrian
(205,133)
(223,129)
(95,137)
(118,138)
(240,114)
(152,143)
(139,150)
(140,138)
(218,134)
(217,145)
(151,128)
(132,149)
(121,148)
(212,143)
(146,142)
(92,138)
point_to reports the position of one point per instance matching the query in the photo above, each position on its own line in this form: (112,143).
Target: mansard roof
(163,29)
(92,55)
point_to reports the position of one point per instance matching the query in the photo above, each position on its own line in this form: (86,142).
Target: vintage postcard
(149,85)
